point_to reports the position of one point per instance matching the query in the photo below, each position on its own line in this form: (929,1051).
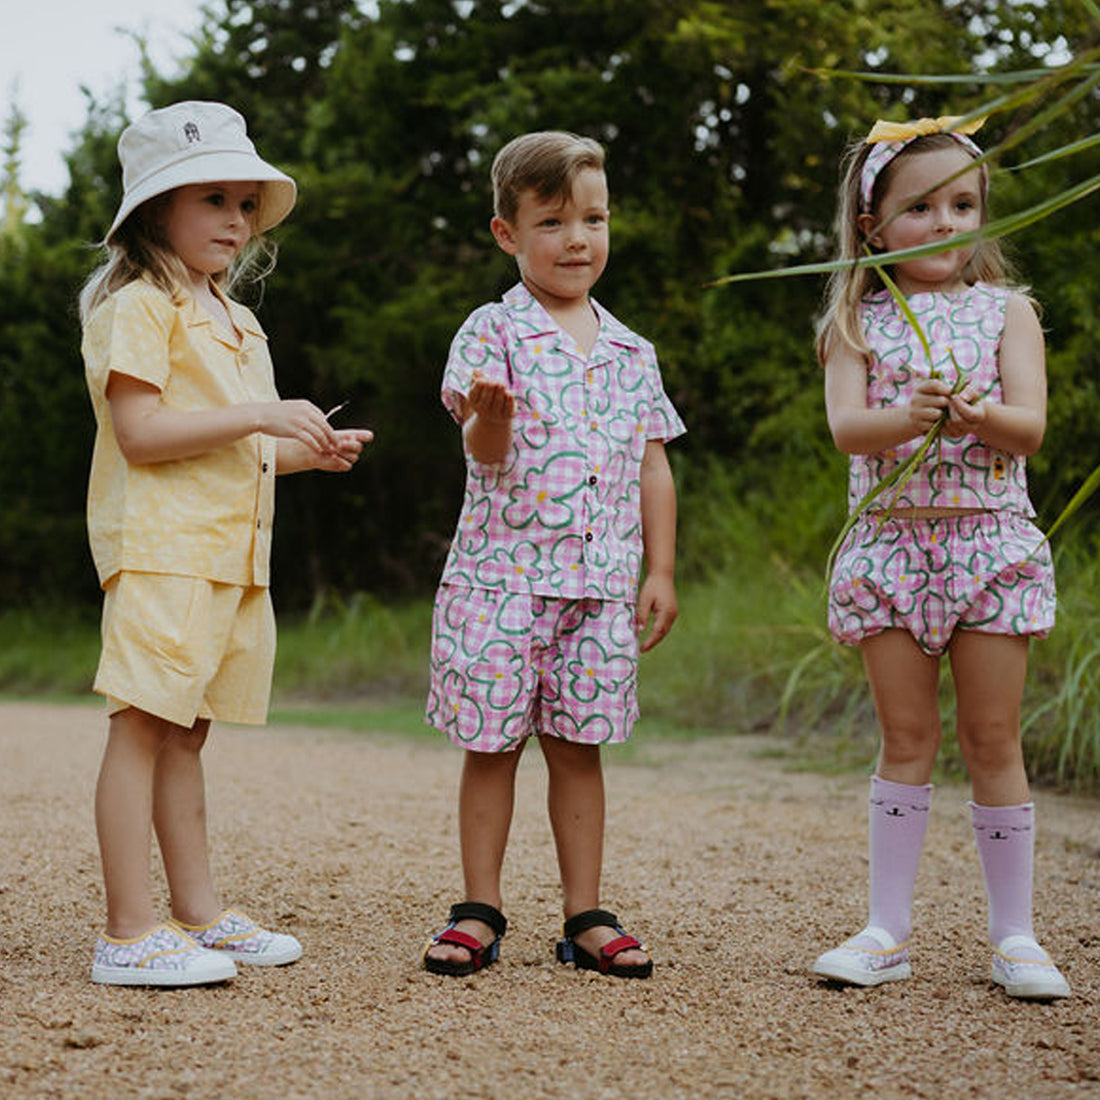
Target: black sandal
(481,954)
(568,951)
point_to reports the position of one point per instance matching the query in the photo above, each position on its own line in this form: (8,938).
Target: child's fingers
(966,408)
(302,420)
(663,618)
(358,435)
(492,399)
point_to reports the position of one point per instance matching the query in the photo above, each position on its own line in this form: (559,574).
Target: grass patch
(403,717)
(356,648)
(50,651)
(750,654)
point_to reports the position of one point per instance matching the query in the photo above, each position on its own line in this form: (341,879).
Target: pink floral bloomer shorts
(990,572)
(507,665)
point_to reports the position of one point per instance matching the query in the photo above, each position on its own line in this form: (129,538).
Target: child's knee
(909,744)
(989,745)
(569,755)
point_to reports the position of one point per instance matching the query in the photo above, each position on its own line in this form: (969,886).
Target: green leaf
(903,304)
(1059,153)
(991,231)
(1091,484)
(1018,76)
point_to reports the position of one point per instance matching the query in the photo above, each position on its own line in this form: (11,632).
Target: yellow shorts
(185,648)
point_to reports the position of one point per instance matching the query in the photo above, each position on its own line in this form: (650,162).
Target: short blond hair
(546,162)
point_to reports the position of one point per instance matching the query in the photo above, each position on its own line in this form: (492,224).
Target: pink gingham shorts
(990,572)
(506,665)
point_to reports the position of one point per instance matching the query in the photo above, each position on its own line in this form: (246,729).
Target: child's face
(561,248)
(954,208)
(207,224)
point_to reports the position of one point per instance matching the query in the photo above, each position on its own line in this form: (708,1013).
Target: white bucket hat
(195,142)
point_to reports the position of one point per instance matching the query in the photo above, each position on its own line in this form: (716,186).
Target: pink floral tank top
(959,473)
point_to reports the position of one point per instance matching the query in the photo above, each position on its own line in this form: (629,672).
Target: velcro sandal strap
(623,943)
(590,918)
(460,939)
(478,910)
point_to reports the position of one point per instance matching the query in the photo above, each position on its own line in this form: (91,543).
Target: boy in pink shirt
(537,618)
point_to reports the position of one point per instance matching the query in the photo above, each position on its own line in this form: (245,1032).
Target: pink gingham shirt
(961,473)
(561,515)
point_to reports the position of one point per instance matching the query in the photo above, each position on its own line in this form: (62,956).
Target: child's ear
(505,235)
(867,224)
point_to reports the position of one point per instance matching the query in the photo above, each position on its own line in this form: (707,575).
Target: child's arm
(859,430)
(487,415)
(1017,423)
(149,431)
(657,598)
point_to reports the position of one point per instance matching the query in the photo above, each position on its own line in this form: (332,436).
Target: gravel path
(734,871)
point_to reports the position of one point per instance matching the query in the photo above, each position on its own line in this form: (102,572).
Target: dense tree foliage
(723,137)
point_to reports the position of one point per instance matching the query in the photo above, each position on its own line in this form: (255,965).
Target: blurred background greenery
(723,139)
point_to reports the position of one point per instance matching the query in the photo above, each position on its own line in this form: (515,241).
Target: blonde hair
(546,162)
(839,319)
(139,249)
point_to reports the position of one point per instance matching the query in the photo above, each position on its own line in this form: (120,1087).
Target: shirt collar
(242,317)
(539,323)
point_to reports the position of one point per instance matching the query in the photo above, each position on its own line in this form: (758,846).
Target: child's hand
(968,411)
(657,599)
(930,398)
(490,400)
(300,420)
(349,446)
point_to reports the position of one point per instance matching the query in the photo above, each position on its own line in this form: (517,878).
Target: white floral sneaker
(164,956)
(1024,969)
(869,958)
(233,934)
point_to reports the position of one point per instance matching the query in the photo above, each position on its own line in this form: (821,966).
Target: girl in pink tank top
(957,566)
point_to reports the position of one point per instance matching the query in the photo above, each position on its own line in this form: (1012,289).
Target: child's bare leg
(179,816)
(905,686)
(576,804)
(485,799)
(124,815)
(989,672)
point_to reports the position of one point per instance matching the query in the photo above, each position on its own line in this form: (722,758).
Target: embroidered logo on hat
(191,132)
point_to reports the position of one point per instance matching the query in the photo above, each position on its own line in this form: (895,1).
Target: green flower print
(594,671)
(543,495)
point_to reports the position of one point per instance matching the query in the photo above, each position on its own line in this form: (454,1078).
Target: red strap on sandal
(461,939)
(615,947)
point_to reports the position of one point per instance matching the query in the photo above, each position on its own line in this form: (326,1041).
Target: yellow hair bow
(906,131)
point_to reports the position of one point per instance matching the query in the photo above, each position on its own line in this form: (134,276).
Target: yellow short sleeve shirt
(207,516)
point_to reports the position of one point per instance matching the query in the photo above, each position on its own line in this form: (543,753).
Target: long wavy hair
(848,286)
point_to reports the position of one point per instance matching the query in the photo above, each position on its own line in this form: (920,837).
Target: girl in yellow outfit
(190,435)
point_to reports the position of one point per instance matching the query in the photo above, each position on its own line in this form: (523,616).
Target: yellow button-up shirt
(206,516)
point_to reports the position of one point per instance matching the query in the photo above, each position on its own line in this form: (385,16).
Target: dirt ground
(735,872)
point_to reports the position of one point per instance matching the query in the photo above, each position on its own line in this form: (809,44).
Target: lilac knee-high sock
(897,821)
(1006,844)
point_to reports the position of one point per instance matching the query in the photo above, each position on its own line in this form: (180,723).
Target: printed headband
(889,138)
